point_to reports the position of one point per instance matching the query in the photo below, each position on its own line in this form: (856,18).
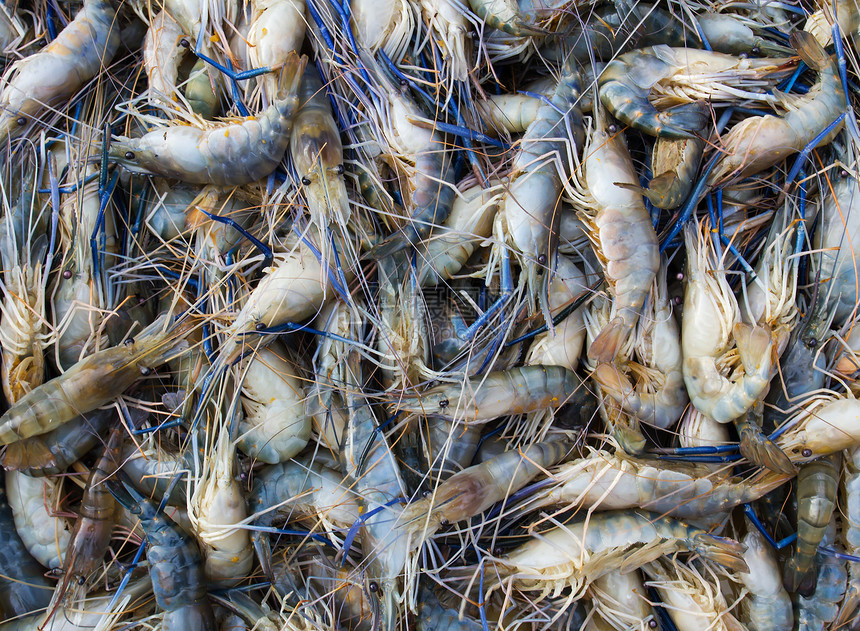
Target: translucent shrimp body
(85,47)
(33,500)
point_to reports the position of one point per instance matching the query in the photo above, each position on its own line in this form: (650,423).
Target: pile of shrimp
(383,315)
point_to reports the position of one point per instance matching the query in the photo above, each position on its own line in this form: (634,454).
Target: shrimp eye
(612,128)
(810,342)
(843,174)
(374,586)
(756,50)
(129,341)
(145,371)
(339,169)
(444,522)
(806,453)
(542,259)
(184,43)
(443,403)
(306,181)
(21,121)
(82,579)
(260,326)
(652,623)
(129,155)
(67,274)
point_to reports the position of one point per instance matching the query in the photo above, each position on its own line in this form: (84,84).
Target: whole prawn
(621,231)
(226,155)
(84,48)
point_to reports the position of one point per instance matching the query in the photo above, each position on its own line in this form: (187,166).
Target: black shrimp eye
(260,326)
(184,43)
(542,259)
(21,121)
(129,341)
(443,403)
(306,181)
(444,522)
(806,453)
(843,174)
(129,155)
(339,169)
(612,128)
(67,274)
(756,50)
(810,342)
(374,586)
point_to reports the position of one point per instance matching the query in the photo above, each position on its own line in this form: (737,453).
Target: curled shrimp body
(607,481)
(93,381)
(24,586)
(759,142)
(817,485)
(79,53)
(768,605)
(475,489)
(574,555)
(512,113)
(33,502)
(276,30)
(225,155)
(531,209)
(162,55)
(276,426)
(175,566)
(53,452)
(621,231)
(710,325)
(513,391)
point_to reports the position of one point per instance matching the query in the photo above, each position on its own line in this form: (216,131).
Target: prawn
(34,502)
(163,51)
(821,426)
(573,555)
(768,605)
(759,142)
(621,232)
(674,164)
(92,382)
(225,155)
(276,30)
(79,53)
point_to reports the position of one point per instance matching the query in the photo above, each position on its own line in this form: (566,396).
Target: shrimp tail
(727,552)
(753,345)
(756,447)
(684,120)
(810,51)
(607,344)
(659,187)
(290,76)
(797,581)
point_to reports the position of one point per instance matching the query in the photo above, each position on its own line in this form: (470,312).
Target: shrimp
(163,51)
(818,611)
(711,321)
(317,154)
(93,381)
(512,113)
(225,155)
(820,22)
(52,453)
(817,485)
(767,606)
(848,611)
(216,508)
(276,30)
(573,555)
(606,481)
(450,28)
(311,489)
(563,345)
(822,425)
(91,536)
(79,53)
(23,245)
(660,396)
(477,399)
(24,586)
(837,239)
(153,470)
(276,426)
(506,16)
(33,502)
(728,33)
(759,142)
(385,26)
(674,164)
(475,489)
(530,212)
(426,165)
(692,601)
(621,232)
(434,616)
(175,565)
(621,600)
